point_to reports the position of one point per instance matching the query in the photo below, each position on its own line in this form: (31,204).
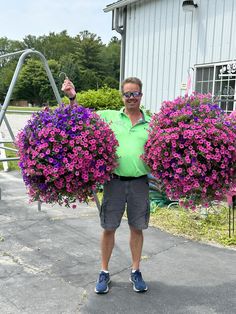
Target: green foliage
(85,59)
(52,46)
(33,83)
(89,46)
(103,98)
(111,63)
(7,46)
(211,226)
(71,68)
(89,80)
(6,73)
(12,164)
(111,82)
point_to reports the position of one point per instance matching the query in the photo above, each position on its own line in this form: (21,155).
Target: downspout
(122,32)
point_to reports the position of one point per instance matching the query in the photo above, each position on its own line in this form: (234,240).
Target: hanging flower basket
(192,149)
(65,154)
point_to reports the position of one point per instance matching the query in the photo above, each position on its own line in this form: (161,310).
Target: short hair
(133,80)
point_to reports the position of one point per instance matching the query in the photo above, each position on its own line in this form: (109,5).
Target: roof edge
(118,4)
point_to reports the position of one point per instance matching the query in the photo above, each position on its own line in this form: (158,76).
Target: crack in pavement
(9,301)
(27,267)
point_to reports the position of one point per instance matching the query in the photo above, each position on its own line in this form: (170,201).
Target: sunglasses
(134,94)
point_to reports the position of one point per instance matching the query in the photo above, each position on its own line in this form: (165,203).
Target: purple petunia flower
(193,137)
(58,163)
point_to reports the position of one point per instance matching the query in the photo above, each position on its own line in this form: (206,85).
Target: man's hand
(68,88)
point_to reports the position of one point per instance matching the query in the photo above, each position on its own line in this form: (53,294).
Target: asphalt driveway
(49,262)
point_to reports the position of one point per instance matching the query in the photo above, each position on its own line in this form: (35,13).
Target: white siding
(163,42)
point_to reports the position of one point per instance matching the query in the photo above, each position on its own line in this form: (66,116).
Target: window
(209,79)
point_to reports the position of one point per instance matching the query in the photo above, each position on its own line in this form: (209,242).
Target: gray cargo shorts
(130,194)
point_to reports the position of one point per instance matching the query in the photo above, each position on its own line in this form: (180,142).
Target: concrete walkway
(49,262)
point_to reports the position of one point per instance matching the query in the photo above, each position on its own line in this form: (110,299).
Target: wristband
(72,98)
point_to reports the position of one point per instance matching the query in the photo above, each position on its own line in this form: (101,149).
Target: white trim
(212,63)
(226,75)
(118,4)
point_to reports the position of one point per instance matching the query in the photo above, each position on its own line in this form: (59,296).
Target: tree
(7,45)
(111,82)
(6,73)
(84,58)
(33,84)
(71,68)
(52,46)
(88,54)
(32,42)
(111,59)
(89,79)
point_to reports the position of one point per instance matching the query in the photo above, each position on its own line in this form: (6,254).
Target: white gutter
(118,4)
(117,7)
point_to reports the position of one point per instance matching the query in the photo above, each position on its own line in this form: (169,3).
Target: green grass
(33,109)
(12,164)
(211,226)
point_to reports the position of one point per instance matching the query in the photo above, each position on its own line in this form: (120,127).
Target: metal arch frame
(24,54)
(3,108)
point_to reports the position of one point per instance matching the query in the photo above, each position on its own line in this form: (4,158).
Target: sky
(19,18)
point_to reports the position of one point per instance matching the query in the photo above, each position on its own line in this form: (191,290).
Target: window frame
(228,78)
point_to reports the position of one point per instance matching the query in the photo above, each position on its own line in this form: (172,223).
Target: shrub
(103,98)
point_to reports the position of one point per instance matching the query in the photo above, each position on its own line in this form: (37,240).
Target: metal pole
(233,218)
(10,149)
(39,206)
(3,109)
(12,54)
(122,32)
(13,82)
(9,128)
(9,158)
(15,76)
(233,208)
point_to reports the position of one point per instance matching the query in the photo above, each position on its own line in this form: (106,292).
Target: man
(128,186)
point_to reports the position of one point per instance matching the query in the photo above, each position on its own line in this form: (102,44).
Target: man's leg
(107,245)
(136,245)
(112,209)
(138,218)
(111,212)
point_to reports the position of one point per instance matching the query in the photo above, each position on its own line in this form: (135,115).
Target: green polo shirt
(131,141)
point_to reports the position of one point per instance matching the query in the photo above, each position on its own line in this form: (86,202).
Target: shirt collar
(146,118)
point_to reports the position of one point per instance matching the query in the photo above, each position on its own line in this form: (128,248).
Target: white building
(165,45)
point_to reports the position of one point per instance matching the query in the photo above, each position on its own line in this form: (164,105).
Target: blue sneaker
(139,284)
(102,283)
